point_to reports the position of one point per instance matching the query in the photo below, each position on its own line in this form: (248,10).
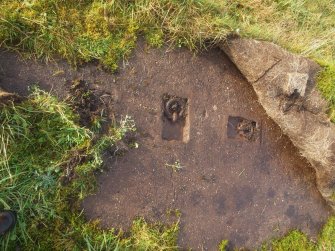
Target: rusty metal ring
(174,105)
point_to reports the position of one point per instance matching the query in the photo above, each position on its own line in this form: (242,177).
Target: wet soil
(234,185)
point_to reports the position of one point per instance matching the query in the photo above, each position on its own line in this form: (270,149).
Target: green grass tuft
(326,84)
(298,241)
(47,165)
(36,137)
(327,236)
(223,245)
(81,31)
(294,241)
(159,237)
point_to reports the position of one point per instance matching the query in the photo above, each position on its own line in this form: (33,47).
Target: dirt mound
(92,105)
(285,86)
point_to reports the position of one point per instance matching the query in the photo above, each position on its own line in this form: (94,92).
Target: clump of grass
(175,167)
(36,137)
(41,147)
(107,30)
(159,237)
(327,236)
(296,240)
(223,245)
(326,85)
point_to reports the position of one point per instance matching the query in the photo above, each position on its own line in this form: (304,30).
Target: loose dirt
(246,183)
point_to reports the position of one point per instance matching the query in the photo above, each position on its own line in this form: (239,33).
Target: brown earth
(239,186)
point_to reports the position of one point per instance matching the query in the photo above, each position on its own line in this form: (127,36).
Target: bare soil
(247,185)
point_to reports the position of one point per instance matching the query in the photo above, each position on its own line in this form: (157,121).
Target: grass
(175,167)
(107,31)
(297,241)
(327,87)
(47,166)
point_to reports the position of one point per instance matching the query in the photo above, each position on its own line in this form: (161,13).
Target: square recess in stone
(175,115)
(242,128)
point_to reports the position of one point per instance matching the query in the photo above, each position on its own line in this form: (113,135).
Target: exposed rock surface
(286,88)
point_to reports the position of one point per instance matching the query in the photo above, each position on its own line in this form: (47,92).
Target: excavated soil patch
(213,154)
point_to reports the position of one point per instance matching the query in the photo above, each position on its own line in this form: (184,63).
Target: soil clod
(89,103)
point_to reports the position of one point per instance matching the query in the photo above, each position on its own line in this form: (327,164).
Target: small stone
(205,114)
